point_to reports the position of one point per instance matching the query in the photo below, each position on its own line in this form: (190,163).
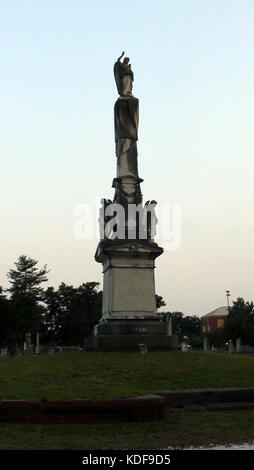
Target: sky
(194,77)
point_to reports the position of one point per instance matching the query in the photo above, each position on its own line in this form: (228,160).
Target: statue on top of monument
(123,76)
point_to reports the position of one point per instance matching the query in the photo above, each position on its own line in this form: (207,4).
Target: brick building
(214,320)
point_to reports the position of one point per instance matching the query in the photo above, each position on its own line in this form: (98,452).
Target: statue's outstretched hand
(119,58)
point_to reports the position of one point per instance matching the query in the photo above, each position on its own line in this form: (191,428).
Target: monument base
(117,335)
(131,327)
(128,279)
(129,316)
(131,342)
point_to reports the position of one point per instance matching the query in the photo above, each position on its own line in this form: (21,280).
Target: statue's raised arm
(119,58)
(123,76)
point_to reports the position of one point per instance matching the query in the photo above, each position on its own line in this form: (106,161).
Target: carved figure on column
(126,113)
(124,76)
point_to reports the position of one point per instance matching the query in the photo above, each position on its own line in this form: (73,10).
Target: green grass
(105,375)
(180,429)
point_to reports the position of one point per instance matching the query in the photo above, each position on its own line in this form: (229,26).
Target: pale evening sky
(194,77)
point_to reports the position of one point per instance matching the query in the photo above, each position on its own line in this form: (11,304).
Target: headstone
(205,344)
(28,348)
(239,345)
(4,352)
(230,346)
(37,347)
(143,348)
(169,325)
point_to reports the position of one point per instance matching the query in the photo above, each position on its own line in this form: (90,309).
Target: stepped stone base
(129,316)
(131,327)
(131,342)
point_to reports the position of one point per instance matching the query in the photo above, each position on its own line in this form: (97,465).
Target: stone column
(169,325)
(28,349)
(239,345)
(205,344)
(231,346)
(37,347)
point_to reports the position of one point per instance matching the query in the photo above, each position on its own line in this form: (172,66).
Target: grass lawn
(104,375)
(179,429)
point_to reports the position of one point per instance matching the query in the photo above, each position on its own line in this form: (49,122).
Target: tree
(71,312)
(177,318)
(191,325)
(52,317)
(240,322)
(217,338)
(26,279)
(26,294)
(159,301)
(186,326)
(7,320)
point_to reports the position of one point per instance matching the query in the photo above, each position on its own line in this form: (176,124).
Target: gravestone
(205,344)
(143,348)
(230,346)
(37,347)
(4,352)
(28,345)
(239,345)
(169,325)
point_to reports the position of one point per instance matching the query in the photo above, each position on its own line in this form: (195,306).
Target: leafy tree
(191,325)
(186,326)
(159,301)
(52,317)
(240,322)
(92,298)
(177,319)
(26,279)
(7,320)
(196,341)
(217,338)
(26,295)
(71,312)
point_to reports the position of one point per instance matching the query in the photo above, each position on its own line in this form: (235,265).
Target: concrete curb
(183,398)
(144,408)
(220,407)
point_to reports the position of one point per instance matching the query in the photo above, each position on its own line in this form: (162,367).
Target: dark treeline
(66,315)
(62,316)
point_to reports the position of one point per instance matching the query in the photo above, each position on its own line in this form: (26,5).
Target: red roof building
(214,320)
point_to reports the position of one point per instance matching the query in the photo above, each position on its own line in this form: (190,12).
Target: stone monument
(37,347)
(127,250)
(28,346)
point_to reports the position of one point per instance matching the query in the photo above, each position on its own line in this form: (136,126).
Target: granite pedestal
(129,316)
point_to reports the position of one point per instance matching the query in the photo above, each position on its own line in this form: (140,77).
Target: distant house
(214,320)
